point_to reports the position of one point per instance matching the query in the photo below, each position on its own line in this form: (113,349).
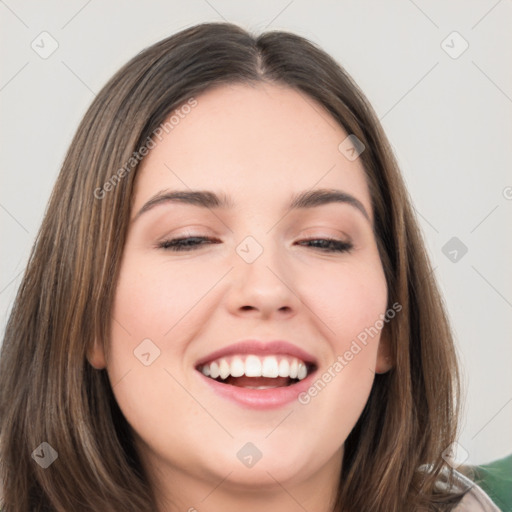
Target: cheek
(149,302)
(350,304)
(152,298)
(347,300)
(156,310)
(162,415)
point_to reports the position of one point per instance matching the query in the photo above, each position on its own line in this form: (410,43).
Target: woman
(229,304)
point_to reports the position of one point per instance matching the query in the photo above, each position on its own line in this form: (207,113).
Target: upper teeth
(255,366)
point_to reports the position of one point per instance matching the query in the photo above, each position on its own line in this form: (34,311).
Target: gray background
(448,119)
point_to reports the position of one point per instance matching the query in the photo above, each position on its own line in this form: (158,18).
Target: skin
(260,145)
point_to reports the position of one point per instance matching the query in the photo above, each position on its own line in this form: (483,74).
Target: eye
(329,244)
(185,243)
(193,242)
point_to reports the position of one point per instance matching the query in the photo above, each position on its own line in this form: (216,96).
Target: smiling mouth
(257,372)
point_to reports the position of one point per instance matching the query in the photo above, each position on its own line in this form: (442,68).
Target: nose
(263,288)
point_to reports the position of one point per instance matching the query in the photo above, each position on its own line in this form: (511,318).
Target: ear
(96,356)
(384,359)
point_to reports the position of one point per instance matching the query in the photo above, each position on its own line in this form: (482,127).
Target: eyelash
(177,245)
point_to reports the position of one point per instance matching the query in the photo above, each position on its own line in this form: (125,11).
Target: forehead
(253,142)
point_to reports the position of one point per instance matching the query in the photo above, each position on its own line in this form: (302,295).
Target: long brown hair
(50,393)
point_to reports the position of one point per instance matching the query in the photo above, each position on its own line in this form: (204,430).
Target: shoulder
(475,500)
(474,497)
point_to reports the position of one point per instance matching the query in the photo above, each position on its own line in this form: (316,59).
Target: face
(271,285)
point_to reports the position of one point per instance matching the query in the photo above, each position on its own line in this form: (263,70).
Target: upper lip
(257,347)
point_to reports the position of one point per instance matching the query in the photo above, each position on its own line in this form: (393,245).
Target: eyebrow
(211,200)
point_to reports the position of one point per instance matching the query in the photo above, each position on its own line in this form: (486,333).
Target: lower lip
(271,398)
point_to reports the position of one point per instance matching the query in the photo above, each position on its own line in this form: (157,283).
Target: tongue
(257,381)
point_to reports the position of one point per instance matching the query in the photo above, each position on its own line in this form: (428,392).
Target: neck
(179,491)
